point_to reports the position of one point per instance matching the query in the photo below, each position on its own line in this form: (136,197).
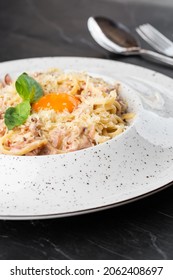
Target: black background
(140,230)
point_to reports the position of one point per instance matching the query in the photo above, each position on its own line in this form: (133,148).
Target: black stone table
(140,230)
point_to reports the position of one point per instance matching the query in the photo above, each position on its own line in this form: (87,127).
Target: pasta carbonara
(76,111)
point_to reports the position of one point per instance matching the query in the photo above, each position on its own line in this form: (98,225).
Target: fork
(155,39)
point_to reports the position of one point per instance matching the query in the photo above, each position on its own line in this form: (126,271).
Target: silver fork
(155,39)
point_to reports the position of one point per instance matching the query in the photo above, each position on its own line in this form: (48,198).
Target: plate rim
(85,211)
(86,58)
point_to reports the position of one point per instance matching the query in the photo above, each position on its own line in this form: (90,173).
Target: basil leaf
(15,116)
(28,88)
(30,91)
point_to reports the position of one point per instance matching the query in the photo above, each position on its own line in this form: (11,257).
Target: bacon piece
(7,79)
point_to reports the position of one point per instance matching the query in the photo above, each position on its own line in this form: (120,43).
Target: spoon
(116,37)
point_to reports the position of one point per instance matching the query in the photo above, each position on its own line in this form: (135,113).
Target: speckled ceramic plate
(134,164)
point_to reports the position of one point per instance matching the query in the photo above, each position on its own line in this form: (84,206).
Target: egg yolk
(58,102)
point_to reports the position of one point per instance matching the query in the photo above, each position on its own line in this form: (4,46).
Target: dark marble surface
(140,230)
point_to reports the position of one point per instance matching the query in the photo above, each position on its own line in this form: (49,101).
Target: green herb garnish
(28,88)
(15,116)
(30,91)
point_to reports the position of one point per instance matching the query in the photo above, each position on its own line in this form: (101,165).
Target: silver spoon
(116,38)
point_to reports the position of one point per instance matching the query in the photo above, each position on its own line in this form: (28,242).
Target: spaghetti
(77,111)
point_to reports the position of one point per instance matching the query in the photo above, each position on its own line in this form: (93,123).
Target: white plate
(134,164)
